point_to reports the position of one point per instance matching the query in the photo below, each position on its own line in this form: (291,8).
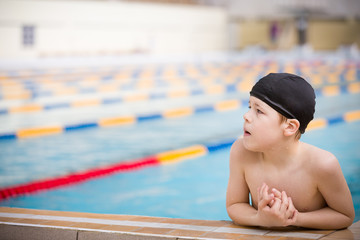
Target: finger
(265,199)
(276,192)
(265,191)
(291,204)
(265,202)
(271,203)
(284,197)
(291,209)
(268,197)
(284,201)
(277,204)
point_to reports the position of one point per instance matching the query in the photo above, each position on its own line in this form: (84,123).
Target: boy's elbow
(348,221)
(351,219)
(230,211)
(346,224)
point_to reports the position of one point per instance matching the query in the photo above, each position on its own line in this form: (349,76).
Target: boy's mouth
(246,133)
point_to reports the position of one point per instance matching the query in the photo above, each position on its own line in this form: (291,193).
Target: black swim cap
(290,95)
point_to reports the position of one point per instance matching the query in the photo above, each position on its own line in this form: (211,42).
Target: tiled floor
(17,223)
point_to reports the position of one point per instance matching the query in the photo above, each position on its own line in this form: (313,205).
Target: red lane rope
(46,184)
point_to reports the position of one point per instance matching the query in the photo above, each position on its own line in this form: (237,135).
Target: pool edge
(21,223)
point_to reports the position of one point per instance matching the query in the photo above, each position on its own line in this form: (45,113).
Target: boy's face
(262,126)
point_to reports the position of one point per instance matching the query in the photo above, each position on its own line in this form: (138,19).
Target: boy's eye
(259,111)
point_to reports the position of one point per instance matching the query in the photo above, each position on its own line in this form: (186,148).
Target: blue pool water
(189,189)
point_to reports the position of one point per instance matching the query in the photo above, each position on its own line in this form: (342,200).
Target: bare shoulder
(239,155)
(320,160)
(238,149)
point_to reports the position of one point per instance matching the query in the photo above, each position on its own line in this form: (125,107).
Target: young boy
(291,183)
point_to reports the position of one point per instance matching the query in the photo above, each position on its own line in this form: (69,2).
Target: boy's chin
(248,146)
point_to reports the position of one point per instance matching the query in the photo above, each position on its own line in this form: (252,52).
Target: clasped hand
(275,209)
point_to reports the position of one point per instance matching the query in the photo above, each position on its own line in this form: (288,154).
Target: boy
(291,183)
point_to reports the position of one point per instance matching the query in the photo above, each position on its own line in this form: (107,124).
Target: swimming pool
(189,189)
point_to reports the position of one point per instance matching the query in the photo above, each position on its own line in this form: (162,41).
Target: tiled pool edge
(18,223)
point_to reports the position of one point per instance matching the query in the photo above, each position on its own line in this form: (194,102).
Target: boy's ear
(292,125)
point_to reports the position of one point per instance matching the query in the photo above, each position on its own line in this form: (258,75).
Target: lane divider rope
(157,159)
(217,89)
(225,105)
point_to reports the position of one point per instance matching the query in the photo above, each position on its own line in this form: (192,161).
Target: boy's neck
(283,154)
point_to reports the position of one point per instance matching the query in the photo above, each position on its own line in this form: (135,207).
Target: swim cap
(290,95)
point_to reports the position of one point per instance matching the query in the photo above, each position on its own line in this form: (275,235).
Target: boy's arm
(339,212)
(237,195)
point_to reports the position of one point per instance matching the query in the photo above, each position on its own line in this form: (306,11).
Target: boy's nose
(247,117)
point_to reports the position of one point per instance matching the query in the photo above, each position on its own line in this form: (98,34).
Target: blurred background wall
(48,28)
(328,24)
(37,28)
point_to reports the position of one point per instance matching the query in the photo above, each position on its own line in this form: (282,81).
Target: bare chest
(299,185)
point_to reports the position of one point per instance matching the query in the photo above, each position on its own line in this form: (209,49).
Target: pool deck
(19,223)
